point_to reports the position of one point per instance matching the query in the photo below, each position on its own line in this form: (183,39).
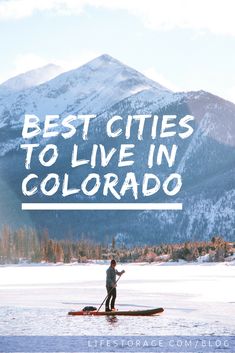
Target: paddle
(108,294)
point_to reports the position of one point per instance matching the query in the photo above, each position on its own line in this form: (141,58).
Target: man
(111,285)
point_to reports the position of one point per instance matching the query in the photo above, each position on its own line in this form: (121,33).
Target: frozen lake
(199,299)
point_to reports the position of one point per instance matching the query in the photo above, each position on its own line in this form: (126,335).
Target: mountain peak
(91,88)
(104,60)
(32,78)
(115,70)
(106,57)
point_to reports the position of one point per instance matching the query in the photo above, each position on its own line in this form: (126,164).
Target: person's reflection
(111,319)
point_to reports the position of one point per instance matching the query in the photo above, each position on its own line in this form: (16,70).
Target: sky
(182,44)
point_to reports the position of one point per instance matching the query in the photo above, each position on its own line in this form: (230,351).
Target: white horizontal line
(101,206)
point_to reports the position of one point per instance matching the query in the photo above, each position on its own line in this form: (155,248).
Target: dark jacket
(111,276)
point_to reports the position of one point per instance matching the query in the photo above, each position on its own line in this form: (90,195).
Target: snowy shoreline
(106,263)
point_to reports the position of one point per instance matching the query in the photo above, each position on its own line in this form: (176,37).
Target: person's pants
(112,296)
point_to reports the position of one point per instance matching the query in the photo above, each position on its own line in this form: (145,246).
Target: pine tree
(6,244)
(59,254)
(113,243)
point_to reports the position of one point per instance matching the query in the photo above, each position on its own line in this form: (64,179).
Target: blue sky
(183,44)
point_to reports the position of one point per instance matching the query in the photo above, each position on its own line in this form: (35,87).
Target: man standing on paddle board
(111,285)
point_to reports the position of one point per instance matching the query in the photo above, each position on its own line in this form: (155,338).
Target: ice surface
(198,299)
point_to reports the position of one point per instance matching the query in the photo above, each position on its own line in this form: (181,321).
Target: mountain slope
(30,79)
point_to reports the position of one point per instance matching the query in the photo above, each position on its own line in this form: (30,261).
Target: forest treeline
(28,245)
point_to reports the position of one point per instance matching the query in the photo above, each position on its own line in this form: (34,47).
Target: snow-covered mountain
(93,87)
(30,79)
(107,87)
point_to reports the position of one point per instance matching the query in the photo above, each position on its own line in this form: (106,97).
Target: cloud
(28,61)
(215,16)
(160,78)
(17,9)
(230,94)
(156,76)
(22,63)
(72,62)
